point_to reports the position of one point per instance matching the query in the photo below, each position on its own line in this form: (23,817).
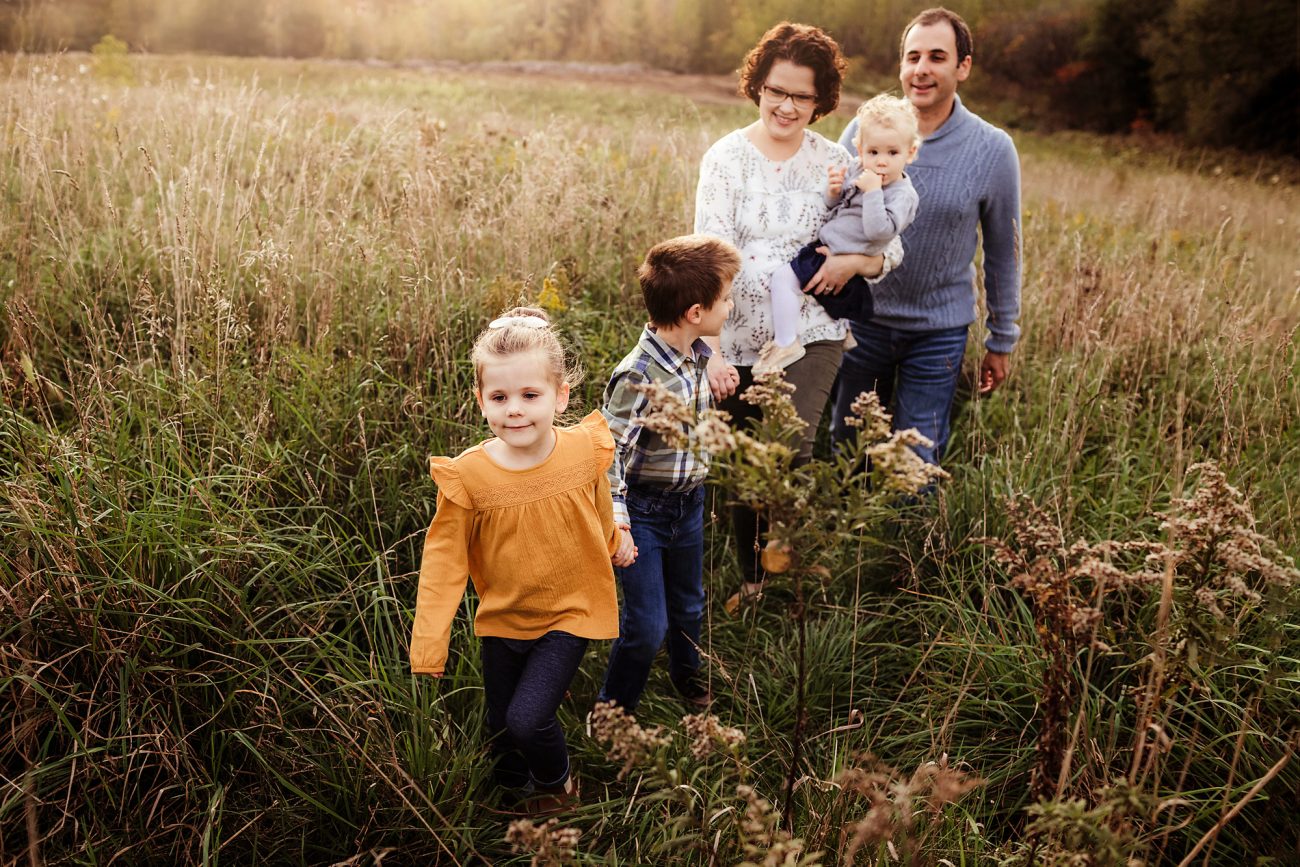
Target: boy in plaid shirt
(658,489)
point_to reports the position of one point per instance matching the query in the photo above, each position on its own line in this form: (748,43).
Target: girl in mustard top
(527,516)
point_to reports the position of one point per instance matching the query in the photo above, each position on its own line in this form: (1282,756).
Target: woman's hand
(723,378)
(839,269)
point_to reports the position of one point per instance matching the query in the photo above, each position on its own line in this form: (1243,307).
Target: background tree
(1220,73)
(1225,72)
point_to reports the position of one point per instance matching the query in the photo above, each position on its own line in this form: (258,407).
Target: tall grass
(238,299)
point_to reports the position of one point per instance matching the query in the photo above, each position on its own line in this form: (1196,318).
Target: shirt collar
(955,119)
(669,356)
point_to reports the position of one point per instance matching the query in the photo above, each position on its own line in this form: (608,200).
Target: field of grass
(238,300)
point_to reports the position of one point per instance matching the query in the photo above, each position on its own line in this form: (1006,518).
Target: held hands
(868,182)
(723,378)
(625,554)
(834,183)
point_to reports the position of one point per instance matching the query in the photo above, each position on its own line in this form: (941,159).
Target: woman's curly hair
(802,45)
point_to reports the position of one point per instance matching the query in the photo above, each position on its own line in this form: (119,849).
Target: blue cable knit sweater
(967,175)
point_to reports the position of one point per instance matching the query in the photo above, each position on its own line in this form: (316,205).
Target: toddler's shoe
(773,358)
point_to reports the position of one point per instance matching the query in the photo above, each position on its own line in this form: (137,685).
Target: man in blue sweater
(967,175)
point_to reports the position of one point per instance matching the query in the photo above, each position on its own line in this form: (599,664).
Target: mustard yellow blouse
(536,543)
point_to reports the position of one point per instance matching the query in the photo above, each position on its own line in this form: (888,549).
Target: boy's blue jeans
(524,681)
(915,371)
(663,593)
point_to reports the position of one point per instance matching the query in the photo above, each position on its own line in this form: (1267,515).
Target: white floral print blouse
(769,210)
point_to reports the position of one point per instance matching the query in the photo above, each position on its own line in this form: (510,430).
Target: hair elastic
(522,321)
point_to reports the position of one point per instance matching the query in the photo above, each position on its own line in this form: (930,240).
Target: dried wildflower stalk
(1072,833)
(708,734)
(898,803)
(624,738)
(809,509)
(1217,568)
(668,415)
(1066,584)
(1214,562)
(549,844)
(1214,545)
(765,844)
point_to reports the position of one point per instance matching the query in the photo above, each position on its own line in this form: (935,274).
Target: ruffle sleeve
(447,475)
(602,442)
(601,439)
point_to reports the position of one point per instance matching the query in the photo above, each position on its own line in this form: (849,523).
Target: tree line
(1219,72)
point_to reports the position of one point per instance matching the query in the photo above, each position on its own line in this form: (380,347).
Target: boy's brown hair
(682,272)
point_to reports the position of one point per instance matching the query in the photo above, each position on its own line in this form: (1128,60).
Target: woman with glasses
(764,188)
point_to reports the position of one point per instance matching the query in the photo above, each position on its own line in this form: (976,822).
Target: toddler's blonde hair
(891,112)
(511,338)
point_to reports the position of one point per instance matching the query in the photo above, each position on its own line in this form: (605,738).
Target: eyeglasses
(776,96)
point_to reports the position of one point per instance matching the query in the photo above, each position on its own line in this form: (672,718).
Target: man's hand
(839,269)
(993,370)
(723,378)
(868,182)
(625,554)
(834,182)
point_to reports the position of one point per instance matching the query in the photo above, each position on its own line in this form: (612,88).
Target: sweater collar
(954,121)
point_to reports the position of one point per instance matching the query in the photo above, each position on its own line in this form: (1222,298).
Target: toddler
(871,205)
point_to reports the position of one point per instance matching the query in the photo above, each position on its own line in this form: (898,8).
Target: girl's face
(787,100)
(520,398)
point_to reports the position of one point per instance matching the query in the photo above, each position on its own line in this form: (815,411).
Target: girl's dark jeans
(524,681)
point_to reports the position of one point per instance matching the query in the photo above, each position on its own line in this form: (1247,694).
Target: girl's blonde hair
(517,330)
(891,112)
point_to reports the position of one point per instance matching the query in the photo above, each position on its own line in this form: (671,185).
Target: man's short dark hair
(960,29)
(682,272)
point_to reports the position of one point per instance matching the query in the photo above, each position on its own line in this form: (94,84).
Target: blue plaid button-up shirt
(641,457)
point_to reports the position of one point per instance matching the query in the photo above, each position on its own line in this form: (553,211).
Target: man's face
(929,71)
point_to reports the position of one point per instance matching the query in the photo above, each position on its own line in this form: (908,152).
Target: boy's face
(885,152)
(713,318)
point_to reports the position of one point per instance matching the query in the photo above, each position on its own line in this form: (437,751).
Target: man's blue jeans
(663,593)
(915,374)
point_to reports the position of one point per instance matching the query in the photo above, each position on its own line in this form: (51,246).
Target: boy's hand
(625,554)
(723,378)
(868,182)
(834,182)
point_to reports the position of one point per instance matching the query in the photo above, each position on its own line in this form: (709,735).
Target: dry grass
(238,297)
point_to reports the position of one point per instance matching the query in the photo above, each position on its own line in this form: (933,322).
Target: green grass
(238,300)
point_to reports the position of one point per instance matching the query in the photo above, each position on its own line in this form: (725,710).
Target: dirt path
(707,89)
